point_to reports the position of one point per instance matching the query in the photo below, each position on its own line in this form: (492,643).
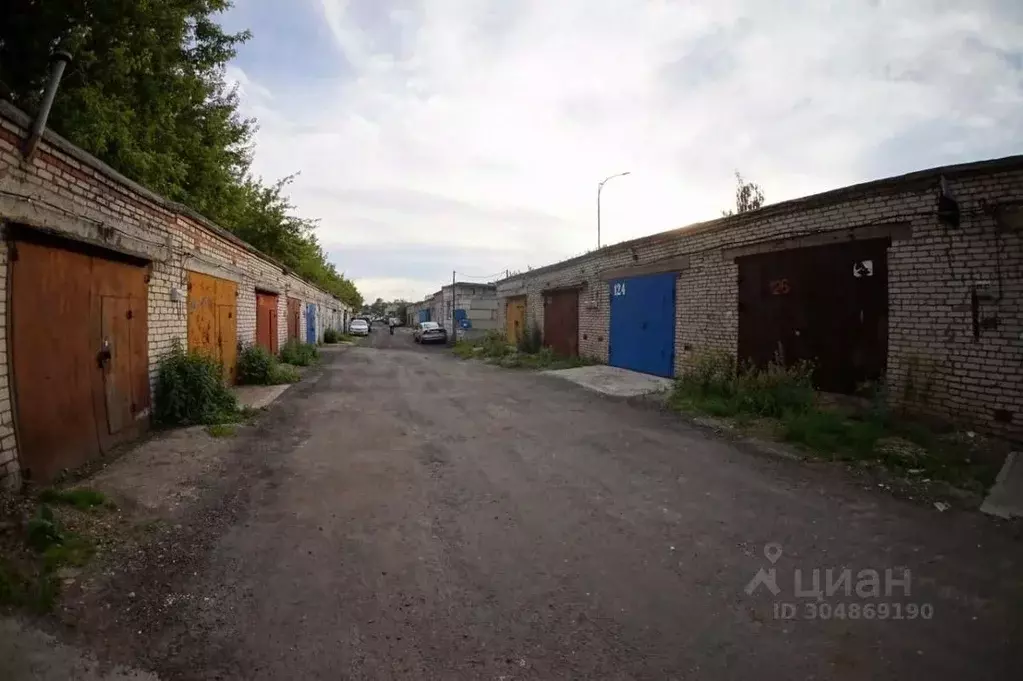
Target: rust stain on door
(77,390)
(825,304)
(212,322)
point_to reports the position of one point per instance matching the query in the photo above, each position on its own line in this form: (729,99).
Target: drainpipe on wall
(58,61)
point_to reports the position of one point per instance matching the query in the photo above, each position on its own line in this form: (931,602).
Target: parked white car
(359,327)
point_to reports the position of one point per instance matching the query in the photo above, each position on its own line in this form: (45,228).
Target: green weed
(330,336)
(284,373)
(43,530)
(221,430)
(780,400)
(25,589)
(82,498)
(299,354)
(256,366)
(190,390)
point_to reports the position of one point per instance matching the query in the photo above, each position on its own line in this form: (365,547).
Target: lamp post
(600,186)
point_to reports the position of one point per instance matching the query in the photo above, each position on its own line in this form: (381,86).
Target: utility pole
(454,329)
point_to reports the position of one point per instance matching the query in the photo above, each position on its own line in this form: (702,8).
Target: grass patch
(82,498)
(24,588)
(222,430)
(299,354)
(330,336)
(780,401)
(42,547)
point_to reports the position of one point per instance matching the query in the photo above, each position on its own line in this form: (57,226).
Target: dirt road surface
(402,514)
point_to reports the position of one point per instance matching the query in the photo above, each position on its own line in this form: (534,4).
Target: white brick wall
(935,365)
(67,192)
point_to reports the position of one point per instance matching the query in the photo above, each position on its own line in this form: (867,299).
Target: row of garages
(913,282)
(101,279)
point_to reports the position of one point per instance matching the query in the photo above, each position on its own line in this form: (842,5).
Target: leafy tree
(402,311)
(748,196)
(146,94)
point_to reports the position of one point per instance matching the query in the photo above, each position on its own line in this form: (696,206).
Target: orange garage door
(79,349)
(212,323)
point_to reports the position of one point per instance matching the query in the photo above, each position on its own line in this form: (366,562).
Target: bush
(43,530)
(776,390)
(532,340)
(299,354)
(331,336)
(255,366)
(190,390)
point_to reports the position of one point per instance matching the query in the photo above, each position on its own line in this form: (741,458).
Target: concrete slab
(1005,499)
(258,396)
(614,381)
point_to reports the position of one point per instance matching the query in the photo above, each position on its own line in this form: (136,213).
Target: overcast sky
(434,135)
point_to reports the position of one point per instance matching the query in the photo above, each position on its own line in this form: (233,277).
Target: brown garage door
(561,322)
(212,323)
(825,304)
(80,355)
(266,321)
(294,319)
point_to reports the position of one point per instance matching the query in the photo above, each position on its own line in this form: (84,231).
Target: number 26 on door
(619,288)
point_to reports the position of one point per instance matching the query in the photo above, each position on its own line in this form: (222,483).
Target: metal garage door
(310,323)
(561,322)
(212,322)
(515,319)
(294,319)
(79,346)
(266,321)
(643,324)
(824,304)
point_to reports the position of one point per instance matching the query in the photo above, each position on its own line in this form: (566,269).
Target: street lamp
(600,186)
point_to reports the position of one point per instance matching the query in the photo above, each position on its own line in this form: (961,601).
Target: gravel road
(405,515)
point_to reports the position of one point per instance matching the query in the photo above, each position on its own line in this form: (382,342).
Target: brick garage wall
(67,192)
(935,363)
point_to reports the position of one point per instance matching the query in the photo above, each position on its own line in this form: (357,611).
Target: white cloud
(470,124)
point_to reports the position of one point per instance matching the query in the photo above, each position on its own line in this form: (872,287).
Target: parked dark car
(430,332)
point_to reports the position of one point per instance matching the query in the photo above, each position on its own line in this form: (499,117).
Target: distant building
(470,306)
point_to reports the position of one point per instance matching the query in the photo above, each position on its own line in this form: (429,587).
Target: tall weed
(299,354)
(190,390)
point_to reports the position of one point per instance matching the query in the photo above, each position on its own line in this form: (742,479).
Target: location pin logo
(772,551)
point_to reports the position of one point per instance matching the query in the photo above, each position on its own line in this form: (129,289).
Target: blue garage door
(643,324)
(310,323)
